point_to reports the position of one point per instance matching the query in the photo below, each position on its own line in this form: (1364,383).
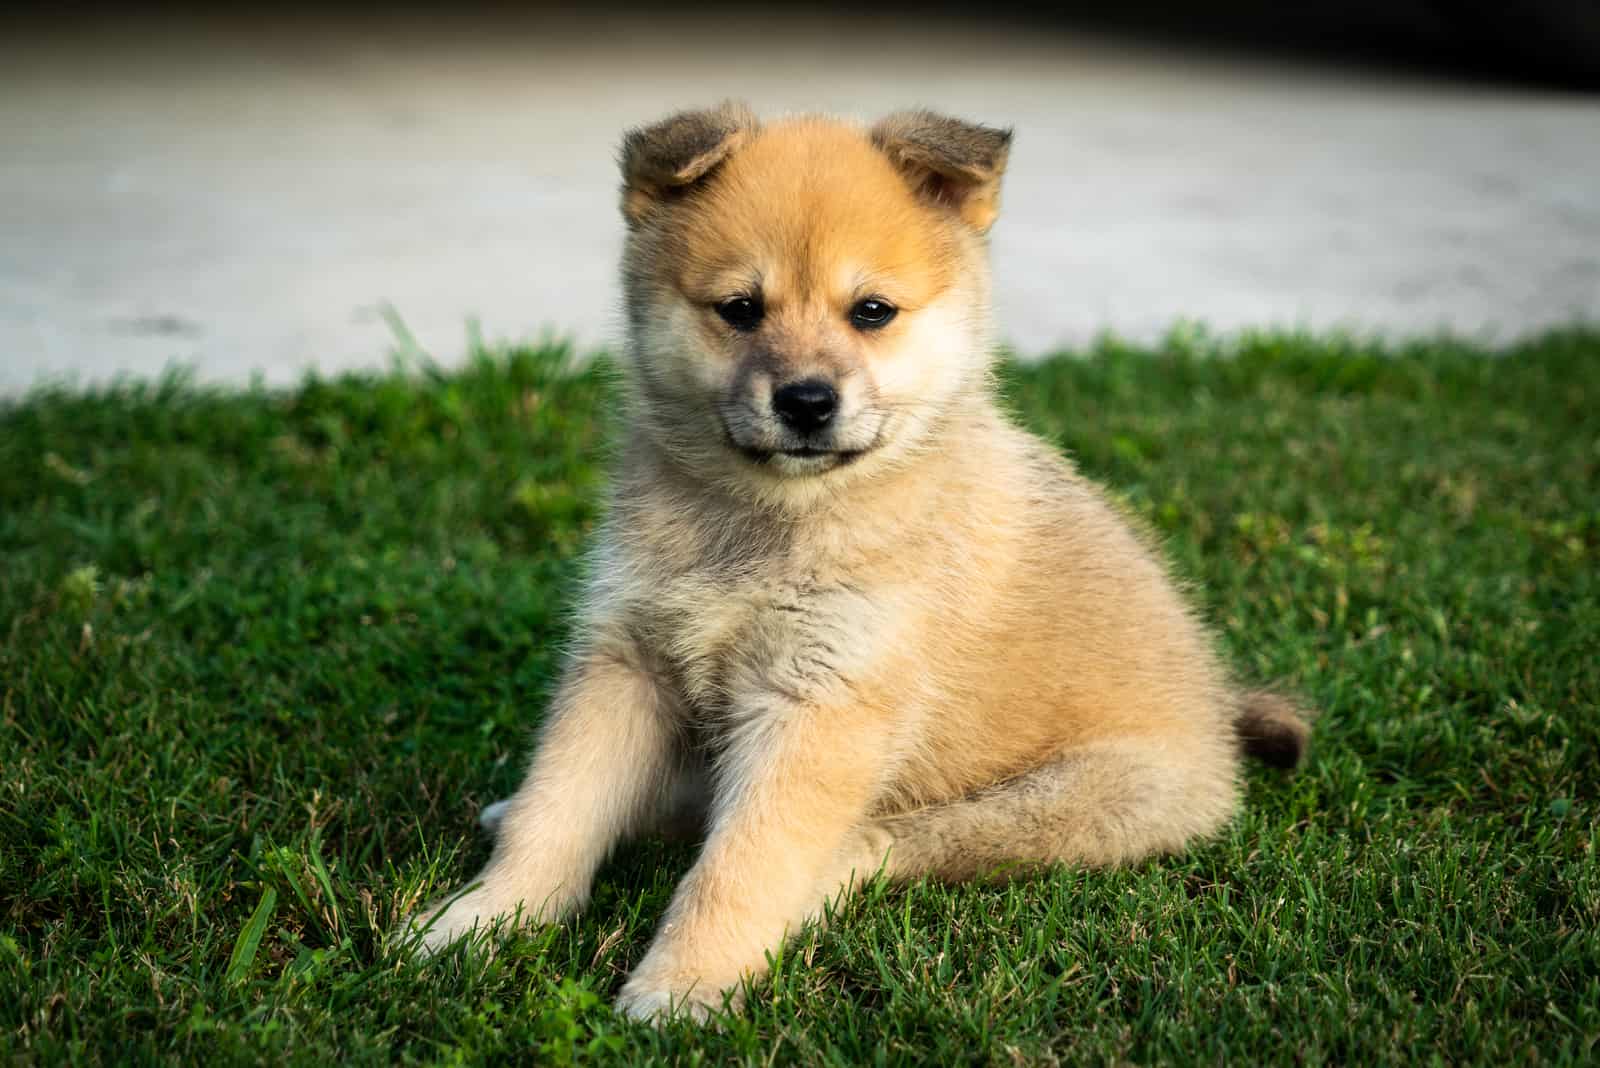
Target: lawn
(264,654)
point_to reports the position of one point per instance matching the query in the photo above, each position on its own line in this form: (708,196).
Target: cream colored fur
(948,657)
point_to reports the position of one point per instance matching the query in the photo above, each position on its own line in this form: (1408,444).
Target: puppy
(843,612)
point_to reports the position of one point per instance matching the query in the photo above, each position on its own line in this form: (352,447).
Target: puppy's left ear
(663,160)
(953,163)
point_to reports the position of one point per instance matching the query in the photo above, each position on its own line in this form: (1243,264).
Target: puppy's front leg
(607,747)
(791,788)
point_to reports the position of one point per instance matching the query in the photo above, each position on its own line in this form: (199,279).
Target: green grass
(263,655)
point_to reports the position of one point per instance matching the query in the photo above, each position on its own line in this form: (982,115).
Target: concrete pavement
(248,198)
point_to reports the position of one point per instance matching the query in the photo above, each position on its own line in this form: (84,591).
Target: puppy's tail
(1272,728)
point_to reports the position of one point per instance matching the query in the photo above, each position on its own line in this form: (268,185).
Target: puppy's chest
(731,636)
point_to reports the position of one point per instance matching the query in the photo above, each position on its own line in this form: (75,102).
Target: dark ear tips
(676,152)
(955,163)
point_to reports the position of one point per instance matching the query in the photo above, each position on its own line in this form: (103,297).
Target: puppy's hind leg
(1097,805)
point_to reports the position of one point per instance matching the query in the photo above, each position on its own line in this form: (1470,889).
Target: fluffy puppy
(842,612)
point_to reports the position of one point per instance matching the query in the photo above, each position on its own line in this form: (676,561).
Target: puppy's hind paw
(490,815)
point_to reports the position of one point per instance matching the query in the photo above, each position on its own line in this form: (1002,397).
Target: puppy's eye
(741,313)
(872,313)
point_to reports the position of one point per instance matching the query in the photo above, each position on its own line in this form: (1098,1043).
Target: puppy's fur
(912,640)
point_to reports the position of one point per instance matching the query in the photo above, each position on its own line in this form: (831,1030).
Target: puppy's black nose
(805,406)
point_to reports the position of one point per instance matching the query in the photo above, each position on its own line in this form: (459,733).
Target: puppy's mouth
(800,458)
(828,458)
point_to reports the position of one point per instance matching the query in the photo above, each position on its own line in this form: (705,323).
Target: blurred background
(260,193)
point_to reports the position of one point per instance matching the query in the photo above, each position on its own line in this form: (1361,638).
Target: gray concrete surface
(248,198)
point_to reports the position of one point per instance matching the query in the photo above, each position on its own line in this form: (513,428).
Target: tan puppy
(839,601)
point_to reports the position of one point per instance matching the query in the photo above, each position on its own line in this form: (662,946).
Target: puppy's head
(807,300)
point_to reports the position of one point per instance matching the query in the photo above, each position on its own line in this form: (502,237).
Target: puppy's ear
(954,163)
(662,160)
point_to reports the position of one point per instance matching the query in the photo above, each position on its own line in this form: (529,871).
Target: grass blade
(249,940)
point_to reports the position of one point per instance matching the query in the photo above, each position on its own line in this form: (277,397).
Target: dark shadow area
(1546,43)
(1553,43)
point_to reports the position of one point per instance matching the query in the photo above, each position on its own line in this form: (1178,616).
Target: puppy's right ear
(662,160)
(953,163)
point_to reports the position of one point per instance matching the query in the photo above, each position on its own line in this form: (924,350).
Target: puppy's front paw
(656,1002)
(440,925)
(481,910)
